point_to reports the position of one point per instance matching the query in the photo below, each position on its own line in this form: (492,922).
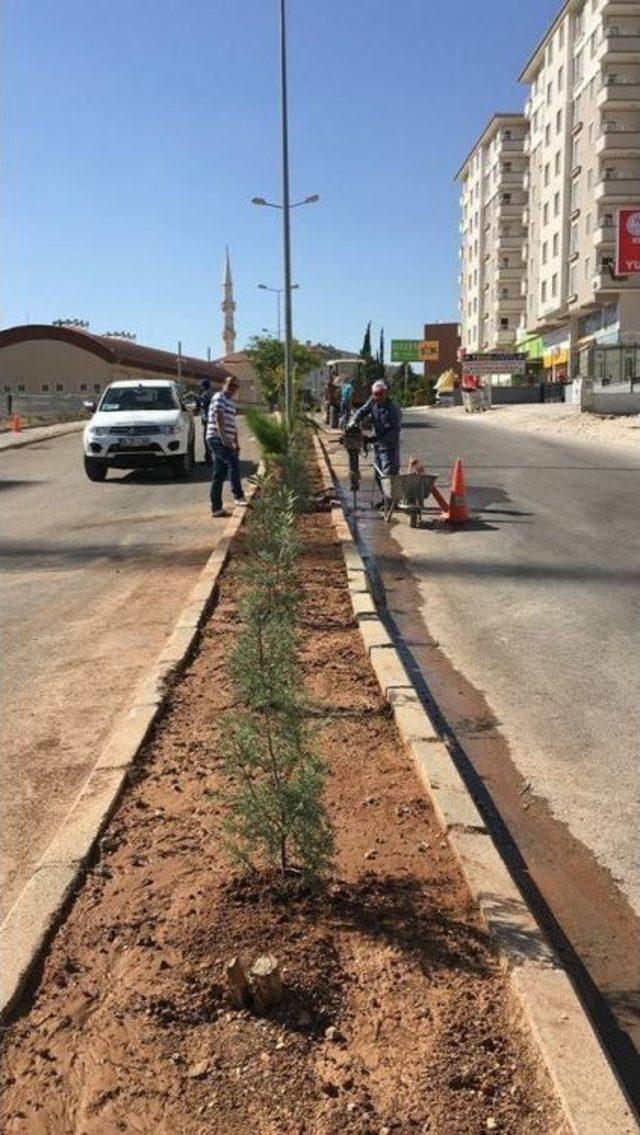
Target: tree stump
(237,984)
(266,983)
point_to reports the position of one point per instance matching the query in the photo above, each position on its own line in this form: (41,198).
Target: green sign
(406,350)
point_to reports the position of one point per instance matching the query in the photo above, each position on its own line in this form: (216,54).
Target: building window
(544,252)
(559,122)
(549,93)
(589,178)
(556,204)
(97,388)
(573,197)
(504,323)
(575,152)
(547,134)
(573,238)
(543,292)
(21,388)
(83,386)
(587,224)
(557,160)
(59,386)
(546,174)
(554,284)
(545,214)
(45,387)
(7,389)
(572,280)
(560,81)
(556,242)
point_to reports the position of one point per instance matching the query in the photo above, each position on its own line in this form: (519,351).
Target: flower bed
(395,1017)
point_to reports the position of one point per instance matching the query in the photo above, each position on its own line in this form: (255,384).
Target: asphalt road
(93,578)
(524,623)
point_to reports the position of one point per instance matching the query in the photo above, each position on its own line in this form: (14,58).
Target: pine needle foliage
(277,778)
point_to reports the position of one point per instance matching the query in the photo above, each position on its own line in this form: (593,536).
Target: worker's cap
(379,387)
(205,384)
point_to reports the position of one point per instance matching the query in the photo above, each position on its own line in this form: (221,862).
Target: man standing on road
(222,438)
(204,401)
(386,417)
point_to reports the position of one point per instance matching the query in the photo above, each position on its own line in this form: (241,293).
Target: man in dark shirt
(386,418)
(204,401)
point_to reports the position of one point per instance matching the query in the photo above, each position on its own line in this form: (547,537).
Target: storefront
(555,357)
(609,364)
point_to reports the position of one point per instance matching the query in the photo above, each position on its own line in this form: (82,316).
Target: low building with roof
(43,358)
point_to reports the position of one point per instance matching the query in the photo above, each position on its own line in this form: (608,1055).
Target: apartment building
(584,162)
(492,198)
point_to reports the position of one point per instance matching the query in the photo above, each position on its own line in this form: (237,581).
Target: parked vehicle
(137,425)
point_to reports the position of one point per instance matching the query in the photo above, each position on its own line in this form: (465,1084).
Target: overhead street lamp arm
(311,200)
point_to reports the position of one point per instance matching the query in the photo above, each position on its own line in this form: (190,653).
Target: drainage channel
(602,981)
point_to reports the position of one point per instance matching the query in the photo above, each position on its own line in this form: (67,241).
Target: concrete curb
(65,428)
(43,902)
(591,1097)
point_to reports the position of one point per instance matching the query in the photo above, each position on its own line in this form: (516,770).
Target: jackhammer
(356,442)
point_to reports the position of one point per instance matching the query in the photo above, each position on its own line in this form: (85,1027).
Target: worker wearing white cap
(386,418)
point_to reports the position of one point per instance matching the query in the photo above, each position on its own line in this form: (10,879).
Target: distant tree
(365,353)
(381,347)
(267,356)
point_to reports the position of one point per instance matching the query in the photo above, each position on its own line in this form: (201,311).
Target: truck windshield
(139,398)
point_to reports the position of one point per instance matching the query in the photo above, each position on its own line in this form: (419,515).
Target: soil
(396,1016)
(569,422)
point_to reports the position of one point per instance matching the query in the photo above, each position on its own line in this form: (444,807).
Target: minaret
(228,308)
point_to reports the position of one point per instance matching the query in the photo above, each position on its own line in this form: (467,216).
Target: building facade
(581,162)
(447,336)
(49,359)
(492,235)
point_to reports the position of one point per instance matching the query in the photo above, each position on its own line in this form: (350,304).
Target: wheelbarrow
(405,492)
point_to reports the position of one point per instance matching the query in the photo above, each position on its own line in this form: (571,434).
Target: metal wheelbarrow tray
(405,492)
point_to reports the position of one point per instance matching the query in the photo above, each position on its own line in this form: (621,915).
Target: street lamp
(278,292)
(286,208)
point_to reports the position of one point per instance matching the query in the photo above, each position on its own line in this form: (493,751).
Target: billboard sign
(628,241)
(415,350)
(497,363)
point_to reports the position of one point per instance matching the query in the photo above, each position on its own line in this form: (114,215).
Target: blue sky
(137,131)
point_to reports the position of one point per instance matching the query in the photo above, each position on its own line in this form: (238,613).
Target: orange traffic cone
(16,424)
(458,511)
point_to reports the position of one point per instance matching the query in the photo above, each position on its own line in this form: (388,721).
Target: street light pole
(286,226)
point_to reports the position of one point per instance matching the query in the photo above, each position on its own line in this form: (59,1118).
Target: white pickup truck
(137,425)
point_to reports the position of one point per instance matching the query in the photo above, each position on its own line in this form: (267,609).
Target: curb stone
(586,1085)
(44,900)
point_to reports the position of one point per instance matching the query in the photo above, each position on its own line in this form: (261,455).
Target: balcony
(504,337)
(508,272)
(618,143)
(513,177)
(512,145)
(617,190)
(621,45)
(622,94)
(602,282)
(510,209)
(507,304)
(604,234)
(506,242)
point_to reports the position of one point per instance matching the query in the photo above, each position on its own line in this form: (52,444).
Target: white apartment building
(584,162)
(492,235)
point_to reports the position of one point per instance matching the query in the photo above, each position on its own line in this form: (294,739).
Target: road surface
(524,624)
(93,579)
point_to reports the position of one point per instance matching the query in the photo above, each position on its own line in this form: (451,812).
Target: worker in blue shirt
(386,418)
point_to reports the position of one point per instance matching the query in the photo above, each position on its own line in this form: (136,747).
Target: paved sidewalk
(11,440)
(554,419)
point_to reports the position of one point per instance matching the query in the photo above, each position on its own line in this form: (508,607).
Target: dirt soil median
(397,1017)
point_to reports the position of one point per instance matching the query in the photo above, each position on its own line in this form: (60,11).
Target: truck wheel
(95,468)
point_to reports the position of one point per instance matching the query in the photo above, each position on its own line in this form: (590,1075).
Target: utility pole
(286,222)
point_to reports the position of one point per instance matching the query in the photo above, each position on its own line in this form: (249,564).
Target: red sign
(628,242)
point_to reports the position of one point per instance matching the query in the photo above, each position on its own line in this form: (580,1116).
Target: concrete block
(202,592)
(362,604)
(592,1098)
(152,689)
(177,645)
(191,616)
(450,796)
(503,908)
(82,825)
(411,717)
(28,926)
(389,670)
(374,634)
(125,739)
(357,583)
